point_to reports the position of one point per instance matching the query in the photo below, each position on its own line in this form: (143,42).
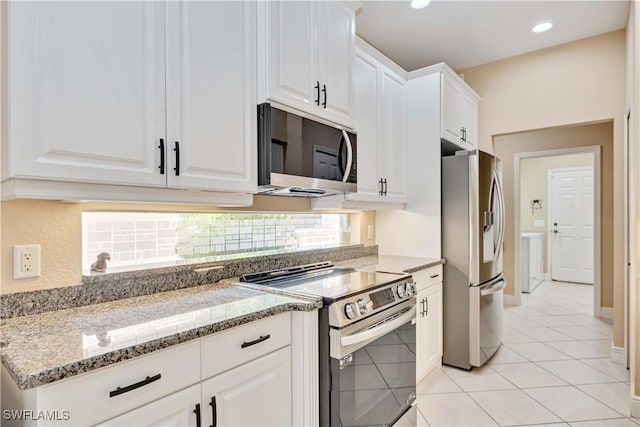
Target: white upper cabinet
(366,118)
(336,49)
(211,96)
(308,57)
(392,147)
(381,121)
(143,94)
(470,114)
(86,95)
(293,54)
(459,111)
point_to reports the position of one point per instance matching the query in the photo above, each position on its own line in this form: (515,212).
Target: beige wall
(633,93)
(533,185)
(578,82)
(57,227)
(506,146)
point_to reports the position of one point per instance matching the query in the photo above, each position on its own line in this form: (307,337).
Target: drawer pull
(433,276)
(122,390)
(256,341)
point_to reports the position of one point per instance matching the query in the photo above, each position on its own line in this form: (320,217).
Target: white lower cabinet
(177,409)
(257,393)
(429,320)
(239,377)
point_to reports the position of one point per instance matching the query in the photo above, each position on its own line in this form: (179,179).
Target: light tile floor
(554,368)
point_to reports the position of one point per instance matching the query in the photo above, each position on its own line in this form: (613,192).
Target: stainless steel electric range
(366,340)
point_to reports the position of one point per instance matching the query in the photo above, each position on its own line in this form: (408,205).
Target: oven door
(373,369)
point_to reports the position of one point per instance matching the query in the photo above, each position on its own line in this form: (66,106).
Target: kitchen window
(138,239)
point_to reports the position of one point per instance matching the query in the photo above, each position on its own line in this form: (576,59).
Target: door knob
(555,231)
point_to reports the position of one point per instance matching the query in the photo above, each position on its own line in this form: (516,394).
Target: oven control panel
(352,309)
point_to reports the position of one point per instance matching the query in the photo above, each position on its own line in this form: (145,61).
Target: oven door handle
(379,331)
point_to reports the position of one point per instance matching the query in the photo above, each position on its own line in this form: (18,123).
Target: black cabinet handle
(324,91)
(177,150)
(385,186)
(256,341)
(426,306)
(214,412)
(120,390)
(161,147)
(433,276)
(380,185)
(317,88)
(198,416)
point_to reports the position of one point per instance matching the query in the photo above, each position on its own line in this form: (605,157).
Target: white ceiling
(468,33)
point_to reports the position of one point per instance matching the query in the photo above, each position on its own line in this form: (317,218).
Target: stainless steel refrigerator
(472,240)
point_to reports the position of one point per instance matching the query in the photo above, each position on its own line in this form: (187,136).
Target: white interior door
(572,224)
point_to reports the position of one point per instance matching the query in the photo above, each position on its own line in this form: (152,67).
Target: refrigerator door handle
(493,288)
(501,227)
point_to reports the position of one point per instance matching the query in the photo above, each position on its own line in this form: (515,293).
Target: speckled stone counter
(101,287)
(47,347)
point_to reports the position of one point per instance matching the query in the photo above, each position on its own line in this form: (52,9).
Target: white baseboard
(635,406)
(510,300)
(606,313)
(618,355)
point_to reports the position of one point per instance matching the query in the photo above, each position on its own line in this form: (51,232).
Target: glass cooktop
(323,280)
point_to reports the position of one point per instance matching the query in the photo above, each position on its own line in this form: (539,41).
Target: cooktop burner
(323,280)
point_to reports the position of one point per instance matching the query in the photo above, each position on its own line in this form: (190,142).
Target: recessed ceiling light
(542,27)
(419,4)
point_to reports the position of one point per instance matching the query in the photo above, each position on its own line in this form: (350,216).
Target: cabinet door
(422,335)
(367,104)
(177,409)
(336,51)
(86,91)
(470,123)
(433,296)
(451,110)
(292,58)
(257,393)
(392,144)
(211,95)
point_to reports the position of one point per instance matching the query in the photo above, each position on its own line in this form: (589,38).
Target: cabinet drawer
(428,277)
(221,352)
(90,398)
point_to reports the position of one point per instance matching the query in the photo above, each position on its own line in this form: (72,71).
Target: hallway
(554,368)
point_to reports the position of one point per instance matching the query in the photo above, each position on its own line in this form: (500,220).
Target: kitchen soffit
(465,34)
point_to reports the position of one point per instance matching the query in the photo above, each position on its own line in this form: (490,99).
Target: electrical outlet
(26,261)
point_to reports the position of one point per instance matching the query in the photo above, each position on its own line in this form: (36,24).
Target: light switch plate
(370,232)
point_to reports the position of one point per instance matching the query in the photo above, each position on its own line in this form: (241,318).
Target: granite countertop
(43,348)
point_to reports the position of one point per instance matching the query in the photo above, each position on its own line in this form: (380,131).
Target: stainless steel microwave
(298,156)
